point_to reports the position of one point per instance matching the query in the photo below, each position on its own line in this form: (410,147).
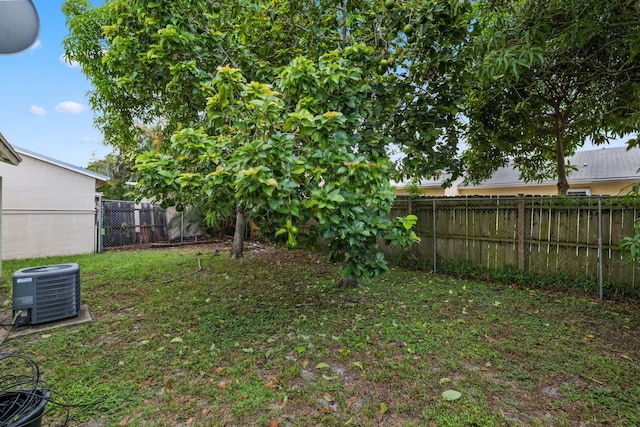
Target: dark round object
(23,408)
(19,25)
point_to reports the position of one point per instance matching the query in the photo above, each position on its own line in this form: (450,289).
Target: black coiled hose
(22,396)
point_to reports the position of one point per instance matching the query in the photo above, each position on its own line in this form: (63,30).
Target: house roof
(100,179)
(7,152)
(600,165)
(434,182)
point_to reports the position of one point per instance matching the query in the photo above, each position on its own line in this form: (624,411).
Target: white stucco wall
(47,210)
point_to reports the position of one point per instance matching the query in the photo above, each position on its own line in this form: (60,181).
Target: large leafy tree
(285,167)
(255,93)
(549,76)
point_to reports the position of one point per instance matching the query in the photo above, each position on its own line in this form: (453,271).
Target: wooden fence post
(435,244)
(520,227)
(600,260)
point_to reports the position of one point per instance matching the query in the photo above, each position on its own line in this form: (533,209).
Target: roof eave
(7,153)
(77,169)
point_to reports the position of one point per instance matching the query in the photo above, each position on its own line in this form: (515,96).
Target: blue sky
(44,104)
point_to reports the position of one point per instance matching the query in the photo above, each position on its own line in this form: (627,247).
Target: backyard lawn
(267,341)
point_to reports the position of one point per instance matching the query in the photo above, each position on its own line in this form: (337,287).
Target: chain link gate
(126,224)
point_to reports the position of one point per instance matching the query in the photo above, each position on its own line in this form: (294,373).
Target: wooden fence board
(539,234)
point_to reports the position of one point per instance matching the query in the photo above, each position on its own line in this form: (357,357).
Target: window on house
(579,192)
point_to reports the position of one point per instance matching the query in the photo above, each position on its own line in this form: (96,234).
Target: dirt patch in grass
(186,336)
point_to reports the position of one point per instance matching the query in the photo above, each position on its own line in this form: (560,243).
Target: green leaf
(335,196)
(451,395)
(383,408)
(328,378)
(358,364)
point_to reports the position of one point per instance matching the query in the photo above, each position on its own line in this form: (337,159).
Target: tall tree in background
(431,80)
(119,165)
(551,75)
(118,169)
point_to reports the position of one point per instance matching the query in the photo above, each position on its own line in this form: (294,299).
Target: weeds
(267,339)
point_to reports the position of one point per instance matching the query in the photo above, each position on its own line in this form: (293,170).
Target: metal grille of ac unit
(49,293)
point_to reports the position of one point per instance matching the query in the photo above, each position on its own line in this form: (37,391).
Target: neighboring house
(7,155)
(49,207)
(600,172)
(429,187)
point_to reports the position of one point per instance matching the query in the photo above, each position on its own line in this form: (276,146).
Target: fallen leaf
(383,408)
(272,383)
(176,340)
(451,395)
(189,421)
(124,421)
(625,356)
(273,423)
(351,401)
(323,365)
(328,378)
(358,364)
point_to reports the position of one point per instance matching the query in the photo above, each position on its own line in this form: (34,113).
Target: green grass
(268,338)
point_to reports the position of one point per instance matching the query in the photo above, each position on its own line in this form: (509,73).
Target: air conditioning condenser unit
(46,293)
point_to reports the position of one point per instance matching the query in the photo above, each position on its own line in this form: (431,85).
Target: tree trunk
(238,234)
(346,282)
(563,184)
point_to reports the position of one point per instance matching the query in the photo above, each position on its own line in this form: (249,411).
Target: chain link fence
(124,224)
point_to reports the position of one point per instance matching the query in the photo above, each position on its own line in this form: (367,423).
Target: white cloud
(70,107)
(68,62)
(35,110)
(36,45)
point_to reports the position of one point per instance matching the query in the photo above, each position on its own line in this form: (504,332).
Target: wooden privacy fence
(579,236)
